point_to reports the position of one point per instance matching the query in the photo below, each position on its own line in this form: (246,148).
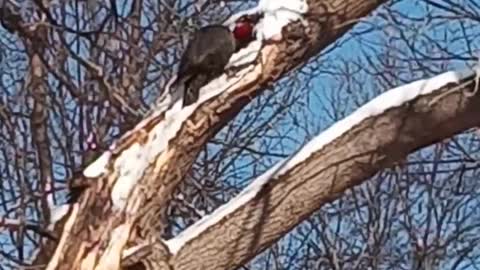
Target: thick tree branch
(163,146)
(319,173)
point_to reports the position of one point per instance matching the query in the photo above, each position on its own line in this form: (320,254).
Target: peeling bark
(350,159)
(89,236)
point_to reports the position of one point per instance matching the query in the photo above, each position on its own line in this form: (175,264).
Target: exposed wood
(96,219)
(350,159)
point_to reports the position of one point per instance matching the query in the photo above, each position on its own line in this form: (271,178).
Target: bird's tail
(187,88)
(177,88)
(192,89)
(173,93)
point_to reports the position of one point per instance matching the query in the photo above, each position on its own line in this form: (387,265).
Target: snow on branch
(146,164)
(277,14)
(129,157)
(393,98)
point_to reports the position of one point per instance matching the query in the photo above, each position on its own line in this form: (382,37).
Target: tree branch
(132,182)
(354,149)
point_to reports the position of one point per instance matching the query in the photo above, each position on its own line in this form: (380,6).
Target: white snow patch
(246,55)
(277,14)
(57,213)
(131,163)
(392,98)
(99,166)
(130,167)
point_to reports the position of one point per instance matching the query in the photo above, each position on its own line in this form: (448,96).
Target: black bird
(207,54)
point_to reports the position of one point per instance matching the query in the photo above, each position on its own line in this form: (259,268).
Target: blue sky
(354,49)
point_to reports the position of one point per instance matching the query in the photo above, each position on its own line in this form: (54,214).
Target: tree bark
(95,233)
(285,201)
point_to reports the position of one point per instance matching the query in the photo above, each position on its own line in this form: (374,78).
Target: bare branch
(322,170)
(165,145)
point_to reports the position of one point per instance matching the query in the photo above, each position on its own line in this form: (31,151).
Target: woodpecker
(207,54)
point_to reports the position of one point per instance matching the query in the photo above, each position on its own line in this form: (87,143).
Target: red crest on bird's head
(243,30)
(244,27)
